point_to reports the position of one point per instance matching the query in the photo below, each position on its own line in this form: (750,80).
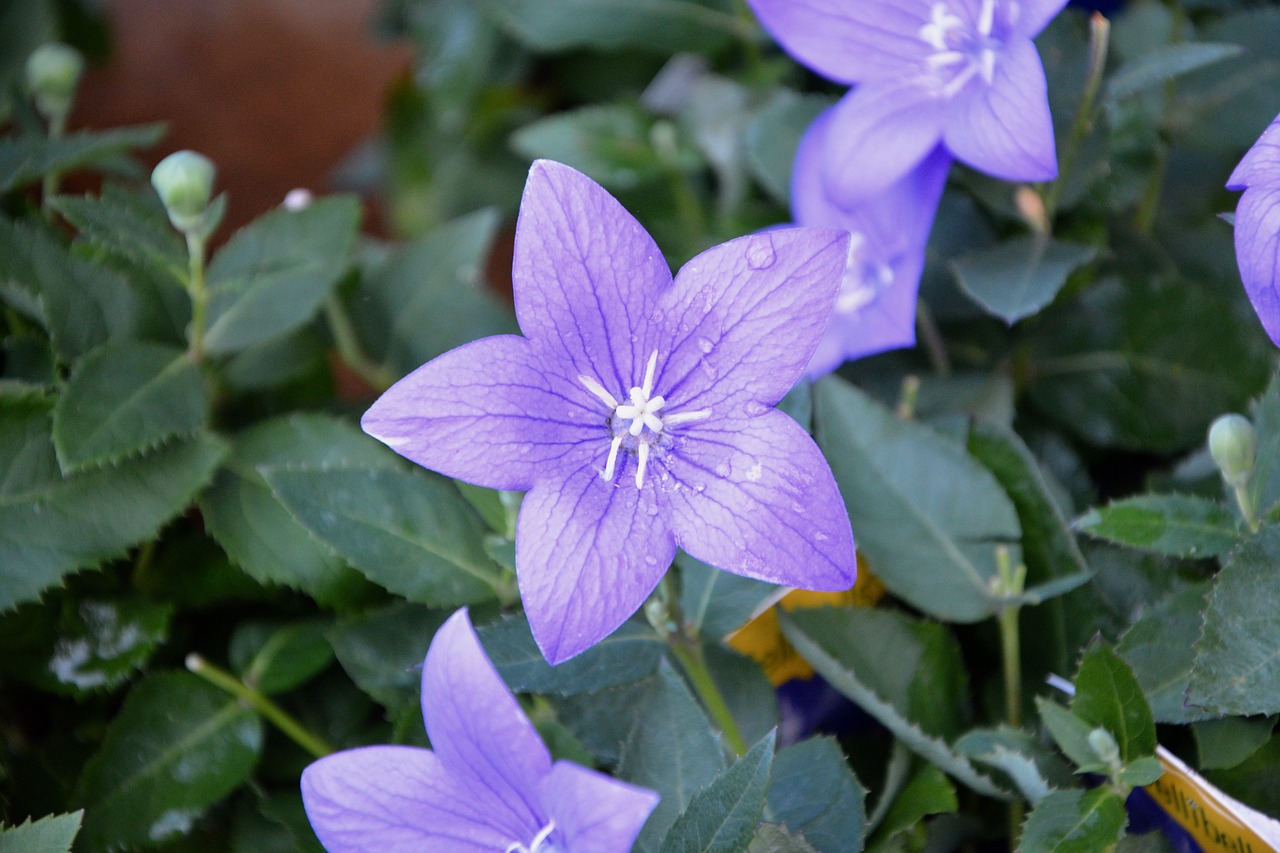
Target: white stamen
(648,374)
(538,840)
(942,21)
(986,18)
(643,451)
(613,457)
(687,417)
(596,388)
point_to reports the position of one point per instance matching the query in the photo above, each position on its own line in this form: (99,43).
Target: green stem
(49,184)
(199,296)
(1011,582)
(278,716)
(1099,35)
(349,349)
(689,653)
(1245,501)
(1145,217)
(934,346)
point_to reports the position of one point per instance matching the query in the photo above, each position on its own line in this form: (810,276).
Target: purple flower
(876,307)
(636,411)
(1258,226)
(487,784)
(961,72)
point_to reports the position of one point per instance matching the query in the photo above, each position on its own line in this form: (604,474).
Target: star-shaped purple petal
(876,308)
(489,785)
(961,72)
(1257,227)
(636,411)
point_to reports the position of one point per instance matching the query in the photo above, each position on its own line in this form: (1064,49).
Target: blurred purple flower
(1258,226)
(488,783)
(876,307)
(963,73)
(637,412)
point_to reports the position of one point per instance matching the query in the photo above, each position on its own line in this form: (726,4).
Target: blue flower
(1257,229)
(960,73)
(488,784)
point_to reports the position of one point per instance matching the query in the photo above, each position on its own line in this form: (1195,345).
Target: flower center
(541,842)
(637,422)
(961,52)
(865,277)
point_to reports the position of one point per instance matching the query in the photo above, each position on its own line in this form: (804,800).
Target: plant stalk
(224,680)
(349,349)
(1099,37)
(689,653)
(196,290)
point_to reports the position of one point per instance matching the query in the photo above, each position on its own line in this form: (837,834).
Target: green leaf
(722,817)
(628,654)
(772,838)
(1144,363)
(255,529)
(815,794)
(716,603)
(26,159)
(129,227)
(1074,821)
(52,526)
(273,274)
(81,304)
(608,142)
(833,658)
(407,531)
(1108,696)
(123,398)
(383,650)
(1223,744)
(663,25)
(1237,662)
(1160,647)
(1019,277)
(927,516)
(430,297)
(672,750)
(278,658)
(913,664)
(81,645)
(772,136)
(1142,772)
(1164,64)
(177,746)
(1032,768)
(49,834)
(1071,734)
(1177,525)
(929,792)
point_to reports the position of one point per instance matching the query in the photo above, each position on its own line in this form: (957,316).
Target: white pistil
(535,846)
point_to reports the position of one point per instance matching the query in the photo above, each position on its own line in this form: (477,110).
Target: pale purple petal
(478,730)
(753,495)
(1005,129)
(878,134)
(1034,15)
(747,315)
(1257,235)
(588,553)
(487,413)
(399,799)
(890,233)
(586,276)
(849,42)
(1261,163)
(594,813)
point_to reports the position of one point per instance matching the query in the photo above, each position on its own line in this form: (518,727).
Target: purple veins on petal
(1257,226)
(876,306)
(489,785)
(595,408)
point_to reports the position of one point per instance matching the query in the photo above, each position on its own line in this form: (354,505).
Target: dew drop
(760,253)
(722,469)
(755,471)
(820,537)
(705,345)
(753,408)
(699,487)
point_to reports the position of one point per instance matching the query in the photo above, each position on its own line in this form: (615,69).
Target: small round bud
(1233,445)
(1105,747)
(184,181)
(53,72)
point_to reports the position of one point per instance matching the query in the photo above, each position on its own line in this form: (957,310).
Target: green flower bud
(53,72)
(1105,747)
(1233,445)
(184,181)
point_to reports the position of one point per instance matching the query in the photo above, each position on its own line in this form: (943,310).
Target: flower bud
(53,72)
(1233,445)
(1105,747)
(184,181)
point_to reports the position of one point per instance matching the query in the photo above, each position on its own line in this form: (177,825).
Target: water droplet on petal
(722,468)
(705,345)
(760,253)
(820,537)
(753,408)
